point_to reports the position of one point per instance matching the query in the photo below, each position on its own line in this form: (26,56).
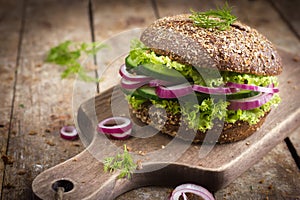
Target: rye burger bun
(247,64)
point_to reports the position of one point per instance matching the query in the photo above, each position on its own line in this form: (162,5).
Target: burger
(201,74)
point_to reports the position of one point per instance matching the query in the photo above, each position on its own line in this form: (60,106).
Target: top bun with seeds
(238,49)
(230,68)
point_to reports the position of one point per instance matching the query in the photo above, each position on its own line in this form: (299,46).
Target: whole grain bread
(239,49)
(175,126)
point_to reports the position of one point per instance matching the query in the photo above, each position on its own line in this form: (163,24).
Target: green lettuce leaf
(168,105)
(249,79)
(135,101)
(201,116)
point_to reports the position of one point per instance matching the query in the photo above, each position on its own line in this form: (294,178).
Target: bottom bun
(174,126)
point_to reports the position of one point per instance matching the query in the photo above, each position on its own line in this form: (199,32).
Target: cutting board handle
(83,177)
(80,177)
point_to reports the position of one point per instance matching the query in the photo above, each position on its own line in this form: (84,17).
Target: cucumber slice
(161,72)
(129,62)
(129,92)
(242,95)
(147,92)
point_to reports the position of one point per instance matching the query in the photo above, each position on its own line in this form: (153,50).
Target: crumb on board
(50,143)
(270,187)
(296,58)
(76,144)
(141,153)
(32,132)
(47,130)
(9,186)
(21,172)
(139,165)
(8,160)
(261,181)
(128,148)
(295,87)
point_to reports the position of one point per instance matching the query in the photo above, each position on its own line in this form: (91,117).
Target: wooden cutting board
(165,161)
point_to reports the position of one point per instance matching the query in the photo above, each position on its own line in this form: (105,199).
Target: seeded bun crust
(169,124)
(239,49)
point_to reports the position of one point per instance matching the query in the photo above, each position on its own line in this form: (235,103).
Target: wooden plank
(122,15)
(275,177)
(46,100)
(295,138)
(293,144)
(165,8)
(10,25)
(289,10)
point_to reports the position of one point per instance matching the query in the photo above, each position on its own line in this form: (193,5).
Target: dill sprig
(122,162)
(67,55)
(220,19)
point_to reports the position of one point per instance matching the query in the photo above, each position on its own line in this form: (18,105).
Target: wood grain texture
(289,10)
(275,176)
(10,27)
(295,138)
(47,100)
(122,15)
(178,162)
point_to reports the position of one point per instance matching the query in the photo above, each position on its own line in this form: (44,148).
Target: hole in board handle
(66,184)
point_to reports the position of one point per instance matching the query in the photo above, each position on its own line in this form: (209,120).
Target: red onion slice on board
(116,127)
(191,188)
(69,133)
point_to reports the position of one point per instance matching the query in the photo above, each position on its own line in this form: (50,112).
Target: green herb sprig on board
(220,19)
(122,162)
(67,55)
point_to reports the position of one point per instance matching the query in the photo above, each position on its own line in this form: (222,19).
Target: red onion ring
(174,91)
(121,136)
(214,90)
(126,84)
(269,89)
(250,102)
(191,188)
(69,133)
(157,82)
(116,127)
(132,77)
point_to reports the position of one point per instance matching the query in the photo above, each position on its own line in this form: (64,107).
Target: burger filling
(223,95)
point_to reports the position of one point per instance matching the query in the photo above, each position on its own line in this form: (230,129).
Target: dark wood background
(36,102)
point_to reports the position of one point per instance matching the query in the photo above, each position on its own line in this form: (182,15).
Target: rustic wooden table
(36,102)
